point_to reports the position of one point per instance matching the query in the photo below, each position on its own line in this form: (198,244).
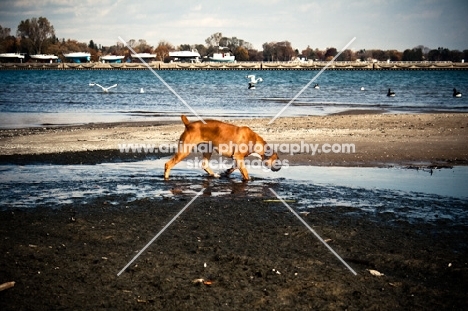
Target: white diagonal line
(160,232)
(310,82)
(162,80)
(313,231)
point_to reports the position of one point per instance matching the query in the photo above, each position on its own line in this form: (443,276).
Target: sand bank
(379,139)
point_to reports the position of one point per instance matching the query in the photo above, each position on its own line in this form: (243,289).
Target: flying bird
(456,93)
(390,93)
(104,89)
(316,86)
(253,81)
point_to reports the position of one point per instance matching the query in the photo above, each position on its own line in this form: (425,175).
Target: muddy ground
(237,252)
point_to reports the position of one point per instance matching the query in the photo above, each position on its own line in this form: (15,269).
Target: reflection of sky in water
(410,194)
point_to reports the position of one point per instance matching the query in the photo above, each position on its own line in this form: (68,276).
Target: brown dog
(228,140)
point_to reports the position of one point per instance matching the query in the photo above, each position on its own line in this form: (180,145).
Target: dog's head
(273,162)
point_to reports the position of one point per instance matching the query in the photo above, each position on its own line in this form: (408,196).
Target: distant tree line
(37,36)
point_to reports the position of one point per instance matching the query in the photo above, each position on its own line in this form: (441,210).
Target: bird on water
(456,93)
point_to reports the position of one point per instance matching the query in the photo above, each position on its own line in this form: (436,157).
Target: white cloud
(397,24)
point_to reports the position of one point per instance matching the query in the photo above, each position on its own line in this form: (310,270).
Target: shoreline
(380,139)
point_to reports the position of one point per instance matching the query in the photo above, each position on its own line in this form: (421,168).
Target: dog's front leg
(241,166)
(206,165)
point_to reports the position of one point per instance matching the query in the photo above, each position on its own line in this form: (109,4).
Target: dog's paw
(227,173)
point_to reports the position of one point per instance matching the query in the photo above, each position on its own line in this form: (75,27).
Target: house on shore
(11,58)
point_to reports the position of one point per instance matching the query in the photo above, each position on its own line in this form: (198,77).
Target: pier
(318,65)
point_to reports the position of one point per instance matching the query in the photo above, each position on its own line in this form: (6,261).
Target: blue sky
(397,24)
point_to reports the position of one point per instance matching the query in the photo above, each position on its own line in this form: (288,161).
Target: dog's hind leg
(206,165)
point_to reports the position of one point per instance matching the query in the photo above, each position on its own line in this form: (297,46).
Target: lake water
(38,98)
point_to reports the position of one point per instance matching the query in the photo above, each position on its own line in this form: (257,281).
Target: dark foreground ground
(250,252)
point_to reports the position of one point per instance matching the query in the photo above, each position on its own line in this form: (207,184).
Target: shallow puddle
(405,193)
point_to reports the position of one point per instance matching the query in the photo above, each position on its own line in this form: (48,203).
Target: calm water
(413,195)
(35,98)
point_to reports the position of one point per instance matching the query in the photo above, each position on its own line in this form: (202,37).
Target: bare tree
(214,39)
(162,50)
(330,53)
(201,49)
(132,43)
(346,55)
(255,55)
(8,43)
(284,51)
(269,52)
(185,47)
(142,46)
(278,51)
(36,31)
(241,54)
(4,32)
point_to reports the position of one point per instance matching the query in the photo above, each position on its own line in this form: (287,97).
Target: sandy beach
(238,251)
(379,139)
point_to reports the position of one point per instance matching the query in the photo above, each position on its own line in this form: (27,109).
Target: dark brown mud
(232,252)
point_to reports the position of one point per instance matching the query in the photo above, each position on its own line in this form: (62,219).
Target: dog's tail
(185,120)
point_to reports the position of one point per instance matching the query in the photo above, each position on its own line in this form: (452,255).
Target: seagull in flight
(104,89)
(253,81)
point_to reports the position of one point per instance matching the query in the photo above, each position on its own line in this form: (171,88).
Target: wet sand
(249,250)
